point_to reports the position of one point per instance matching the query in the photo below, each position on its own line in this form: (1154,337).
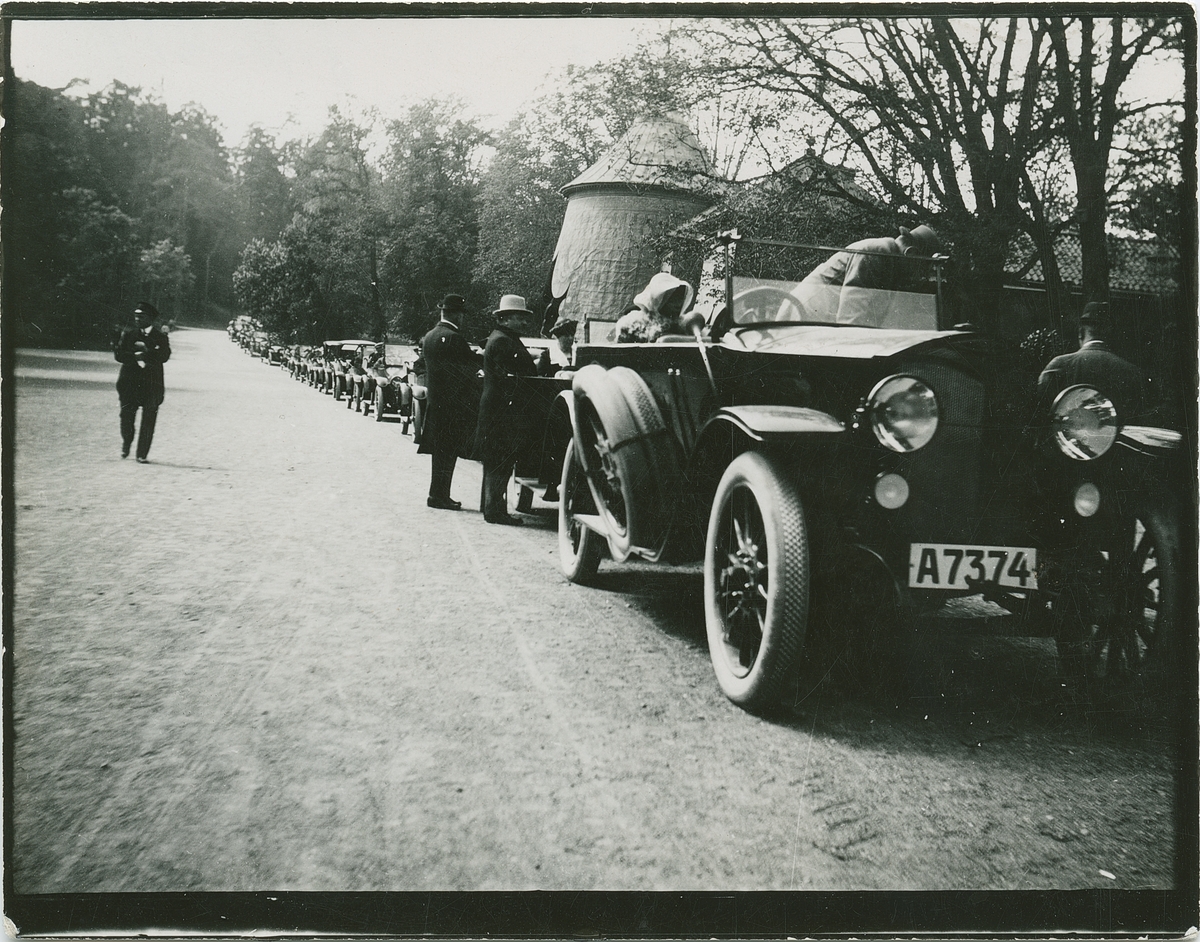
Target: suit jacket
(505,421)
(1096,365)
(451,377)
(141,378)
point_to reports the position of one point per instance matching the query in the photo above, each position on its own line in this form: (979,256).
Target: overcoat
(1095,364)
(140,381)
(452,400)
(505,418)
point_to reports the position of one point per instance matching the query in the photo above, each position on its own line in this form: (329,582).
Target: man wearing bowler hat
(1095,364)
(504,422)
(141,350)
(855,285)
(451,369)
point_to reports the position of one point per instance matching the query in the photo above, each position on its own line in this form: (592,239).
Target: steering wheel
(765,303)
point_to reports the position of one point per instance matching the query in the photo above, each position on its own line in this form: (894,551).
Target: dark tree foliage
(431,185)
(108,200)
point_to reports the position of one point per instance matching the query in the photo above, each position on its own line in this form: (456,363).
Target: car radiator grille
(944,476)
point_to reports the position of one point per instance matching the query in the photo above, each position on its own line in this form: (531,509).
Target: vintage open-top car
(388,389)
(837,466)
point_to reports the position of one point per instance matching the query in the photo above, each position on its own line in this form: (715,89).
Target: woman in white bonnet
(656,310)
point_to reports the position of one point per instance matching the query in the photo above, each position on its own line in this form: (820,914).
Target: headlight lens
(1084,423)
(904,413)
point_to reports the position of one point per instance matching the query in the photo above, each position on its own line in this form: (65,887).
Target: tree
(520,214)
(431,181)
(164,274)
(264,193)
(958,121)
(1093,59)
(338,226)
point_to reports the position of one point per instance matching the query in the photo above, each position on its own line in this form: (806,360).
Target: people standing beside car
(141,350)
(505,423)
(1095,364)
(451,369)
(855,286)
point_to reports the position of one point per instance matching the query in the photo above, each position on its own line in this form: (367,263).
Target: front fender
(766,423)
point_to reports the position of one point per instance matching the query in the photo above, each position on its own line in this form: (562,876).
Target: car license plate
(958,565)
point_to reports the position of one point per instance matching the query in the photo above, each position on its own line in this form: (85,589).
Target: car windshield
(775,282)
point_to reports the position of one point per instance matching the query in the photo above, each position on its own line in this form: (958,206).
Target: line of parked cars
(833,478)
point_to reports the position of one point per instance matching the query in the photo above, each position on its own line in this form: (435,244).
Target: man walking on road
(451,369)
(141,350)
(504,423)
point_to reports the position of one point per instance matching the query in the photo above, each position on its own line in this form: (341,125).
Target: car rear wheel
(579,548)
(756,581)
(627,452)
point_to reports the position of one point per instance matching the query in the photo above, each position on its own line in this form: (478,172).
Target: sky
(283,74)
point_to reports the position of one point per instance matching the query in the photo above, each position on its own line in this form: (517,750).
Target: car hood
(826,341)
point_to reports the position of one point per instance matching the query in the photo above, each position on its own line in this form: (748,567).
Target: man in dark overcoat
(1095,364)
(451,371)
(505,424)
(141,350)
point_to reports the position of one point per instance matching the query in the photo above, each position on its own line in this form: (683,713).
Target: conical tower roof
(660,151)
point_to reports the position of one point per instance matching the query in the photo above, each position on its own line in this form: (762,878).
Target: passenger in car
(563,333)
(855,286)
(656,310)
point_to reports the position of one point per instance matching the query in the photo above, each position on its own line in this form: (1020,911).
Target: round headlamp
(904,413)
(1083,423)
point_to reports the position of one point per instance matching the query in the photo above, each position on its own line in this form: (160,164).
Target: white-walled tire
(756,581)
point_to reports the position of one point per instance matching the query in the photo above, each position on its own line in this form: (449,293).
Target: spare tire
(628,454)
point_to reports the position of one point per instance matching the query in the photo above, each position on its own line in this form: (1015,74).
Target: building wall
(606,252)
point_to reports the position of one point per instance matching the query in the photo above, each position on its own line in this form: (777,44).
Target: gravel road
(260,662)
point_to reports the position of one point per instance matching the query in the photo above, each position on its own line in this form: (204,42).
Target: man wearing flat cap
(855,285)
(141,350)
(451,369)
(505,424)
(1095,364)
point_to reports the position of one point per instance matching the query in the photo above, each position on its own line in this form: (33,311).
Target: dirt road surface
(260,662)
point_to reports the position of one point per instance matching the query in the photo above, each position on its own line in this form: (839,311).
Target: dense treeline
(1003,132)
(113,198)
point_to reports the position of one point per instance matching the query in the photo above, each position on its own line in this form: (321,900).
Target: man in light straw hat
(855,285)
(504,424)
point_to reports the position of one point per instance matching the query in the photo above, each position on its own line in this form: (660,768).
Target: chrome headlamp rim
(922,424)
(1092,437)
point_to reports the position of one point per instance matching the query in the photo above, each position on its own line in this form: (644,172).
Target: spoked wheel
(756,581)
(579,549)
(1117,616)
(605,474)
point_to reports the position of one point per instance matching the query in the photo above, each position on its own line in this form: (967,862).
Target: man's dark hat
(565,325)
(453,304)
(145,307)
(1094,312)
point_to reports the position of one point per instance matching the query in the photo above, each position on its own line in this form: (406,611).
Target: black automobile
(836,468)
(388,388)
